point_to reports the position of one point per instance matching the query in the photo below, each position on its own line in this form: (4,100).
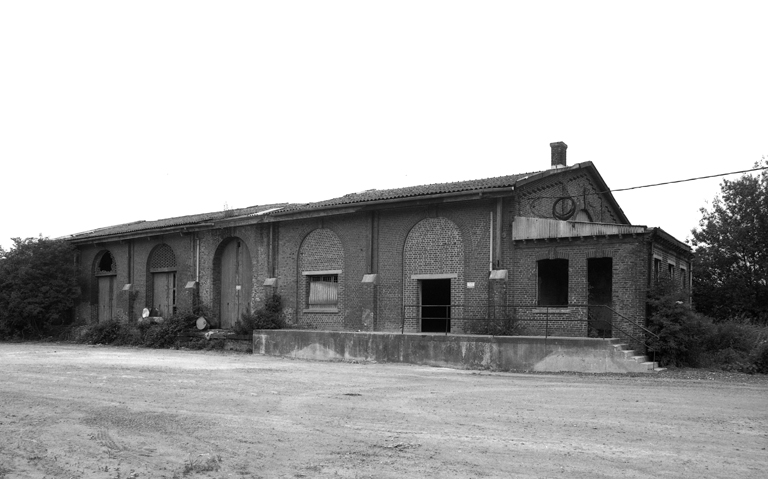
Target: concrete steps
(631,355)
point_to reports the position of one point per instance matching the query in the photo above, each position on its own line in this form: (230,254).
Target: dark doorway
(435,305)
(600,299)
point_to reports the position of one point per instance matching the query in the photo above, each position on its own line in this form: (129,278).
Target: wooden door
(106,297)
(236,282)
(164,293)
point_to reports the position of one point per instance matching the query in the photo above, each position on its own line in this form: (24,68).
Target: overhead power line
(658,184)
(688,179)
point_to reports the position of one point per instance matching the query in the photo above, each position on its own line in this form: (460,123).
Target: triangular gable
(571,193)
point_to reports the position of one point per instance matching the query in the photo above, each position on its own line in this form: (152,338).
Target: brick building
(551,249)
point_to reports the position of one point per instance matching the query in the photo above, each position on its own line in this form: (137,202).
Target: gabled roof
(243,216)
(189,221)
(485,185)
(371,196)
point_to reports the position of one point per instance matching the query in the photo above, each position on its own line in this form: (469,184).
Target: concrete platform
(501,353)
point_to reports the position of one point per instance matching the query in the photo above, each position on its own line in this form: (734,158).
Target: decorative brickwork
(433,246)
(321,250)
(162,258)
(567,195)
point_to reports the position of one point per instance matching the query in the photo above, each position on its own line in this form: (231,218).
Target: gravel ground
(105,412)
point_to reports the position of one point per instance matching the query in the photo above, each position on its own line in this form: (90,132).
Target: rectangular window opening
(553,282)
(323,291)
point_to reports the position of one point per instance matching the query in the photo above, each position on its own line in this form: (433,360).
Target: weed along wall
(498,353)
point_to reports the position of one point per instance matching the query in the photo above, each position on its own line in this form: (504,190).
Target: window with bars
(323,291)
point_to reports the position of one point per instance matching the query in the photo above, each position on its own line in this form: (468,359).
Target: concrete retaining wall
(529,353)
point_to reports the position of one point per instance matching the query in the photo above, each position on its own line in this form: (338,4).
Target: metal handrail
(642,341)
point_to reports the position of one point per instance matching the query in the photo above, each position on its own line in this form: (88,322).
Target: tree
(38,286)
(731,251)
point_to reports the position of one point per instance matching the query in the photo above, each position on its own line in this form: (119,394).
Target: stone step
(628,353)
(653,366)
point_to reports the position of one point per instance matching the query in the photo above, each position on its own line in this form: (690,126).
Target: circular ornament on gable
(564,208)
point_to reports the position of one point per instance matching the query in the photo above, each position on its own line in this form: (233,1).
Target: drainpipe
(197,260)
(499,207)
(490,249)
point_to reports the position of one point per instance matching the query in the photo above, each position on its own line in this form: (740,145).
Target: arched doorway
(105,272)
(433,291)
(161,283)
(234,273)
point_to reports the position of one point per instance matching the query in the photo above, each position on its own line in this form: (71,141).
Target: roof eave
(145,233)
(408,200)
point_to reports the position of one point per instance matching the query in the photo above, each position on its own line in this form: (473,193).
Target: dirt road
(84,411)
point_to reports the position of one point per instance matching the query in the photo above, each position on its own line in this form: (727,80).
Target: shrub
(38,287)
(165,334)
(507,326)
(687,338)
(102,333)
(681,330)
(123,333)
(760,359)
(270,316)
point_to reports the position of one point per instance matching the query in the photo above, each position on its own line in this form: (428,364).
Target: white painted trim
(435,276)
(321,273)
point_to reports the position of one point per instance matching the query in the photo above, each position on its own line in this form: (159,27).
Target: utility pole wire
(689,179)
(597,193)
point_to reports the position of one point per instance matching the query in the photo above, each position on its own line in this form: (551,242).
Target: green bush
(102,333)
(123,333)
(165,334)
(760,359)
(270,316)
(507,326)
(38,287)
(687,338)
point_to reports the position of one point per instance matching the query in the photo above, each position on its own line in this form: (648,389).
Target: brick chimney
(558,154)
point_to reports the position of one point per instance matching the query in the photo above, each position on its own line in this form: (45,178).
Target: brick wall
(433,246)
(538,200)
(396,242)
(679,262)
(212,244)
(629,255)
(321,250)
(132,266)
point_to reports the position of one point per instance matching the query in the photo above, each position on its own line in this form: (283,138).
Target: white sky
(112,112)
